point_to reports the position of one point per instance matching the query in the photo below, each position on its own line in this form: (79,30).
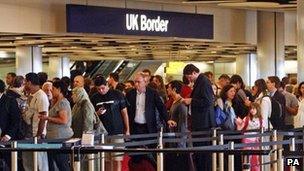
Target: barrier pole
(280,160)
(292,147)
(275,153)
(14,157)
(91,162)
(214,154)
(160,156)
(221,155)
(231,157)
(102,155)
(262,148)
(35,156)
(246,163)
(302,146)
(76,164)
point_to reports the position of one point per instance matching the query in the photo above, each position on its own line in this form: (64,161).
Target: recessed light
(3,54)
(18,38)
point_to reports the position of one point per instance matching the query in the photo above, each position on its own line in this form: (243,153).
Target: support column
(59,67)
(246,67)
(270,44)
(300,38)
(28,59)
(243,67)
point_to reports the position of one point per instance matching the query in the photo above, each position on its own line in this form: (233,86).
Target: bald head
(47,87)
(79,81)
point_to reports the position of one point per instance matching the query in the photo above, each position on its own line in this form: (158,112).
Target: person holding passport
(110,106)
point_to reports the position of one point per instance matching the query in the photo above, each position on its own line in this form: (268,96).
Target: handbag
(229,122)
(220,115)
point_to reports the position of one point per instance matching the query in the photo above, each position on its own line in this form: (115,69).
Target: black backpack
(276,117)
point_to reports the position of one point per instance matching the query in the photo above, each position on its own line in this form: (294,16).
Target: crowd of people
(36,106)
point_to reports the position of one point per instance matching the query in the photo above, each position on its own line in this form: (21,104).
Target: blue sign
(121,21)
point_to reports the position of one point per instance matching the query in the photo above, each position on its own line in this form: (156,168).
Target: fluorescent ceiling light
(18,38)
(209,2)
(4,54)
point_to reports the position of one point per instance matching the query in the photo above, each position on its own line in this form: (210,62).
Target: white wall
(224,68)
(290,28)
(291,66)
(4,69)
(251,27)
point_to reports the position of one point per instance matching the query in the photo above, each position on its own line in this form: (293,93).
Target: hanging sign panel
(121,21)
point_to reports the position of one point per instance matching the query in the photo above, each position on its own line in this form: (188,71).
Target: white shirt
(140,108)
(39,103)
(265,109)
(299,118)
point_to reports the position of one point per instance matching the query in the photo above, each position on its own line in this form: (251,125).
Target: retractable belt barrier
(136,144)
(148,139)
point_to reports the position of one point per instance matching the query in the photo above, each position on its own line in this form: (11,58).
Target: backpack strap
(261,122)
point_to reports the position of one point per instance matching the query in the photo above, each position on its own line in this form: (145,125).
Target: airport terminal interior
(206,84)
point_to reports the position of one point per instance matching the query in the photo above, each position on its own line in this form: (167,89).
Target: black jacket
(9,116)
(153,103)
(202,104)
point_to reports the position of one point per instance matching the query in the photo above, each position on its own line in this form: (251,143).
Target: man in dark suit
(10,116)
(201,110)
(273,84)
(9,121)
(143,103)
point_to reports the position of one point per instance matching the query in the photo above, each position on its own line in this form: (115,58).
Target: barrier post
(292,147)
(77,158)
(246,163)
(275,148)
(102,155)
(160,156)
(214,154)
(14,161)
(91,162)
(231,157)
(280,160)
(302,146)
(35,156)
(221,155)
(262,148)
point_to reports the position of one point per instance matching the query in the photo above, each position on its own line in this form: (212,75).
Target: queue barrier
(216,147)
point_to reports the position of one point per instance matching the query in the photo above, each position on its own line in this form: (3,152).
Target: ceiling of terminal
(239,4)
(83,47)
(95,47)
(92,46)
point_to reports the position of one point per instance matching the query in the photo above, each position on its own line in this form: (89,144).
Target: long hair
(262,87)
(256,106)
(299,89)
(161,80)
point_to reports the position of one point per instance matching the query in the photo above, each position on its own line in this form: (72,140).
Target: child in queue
(253,121)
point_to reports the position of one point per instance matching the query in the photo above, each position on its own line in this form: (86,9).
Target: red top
(186,91)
